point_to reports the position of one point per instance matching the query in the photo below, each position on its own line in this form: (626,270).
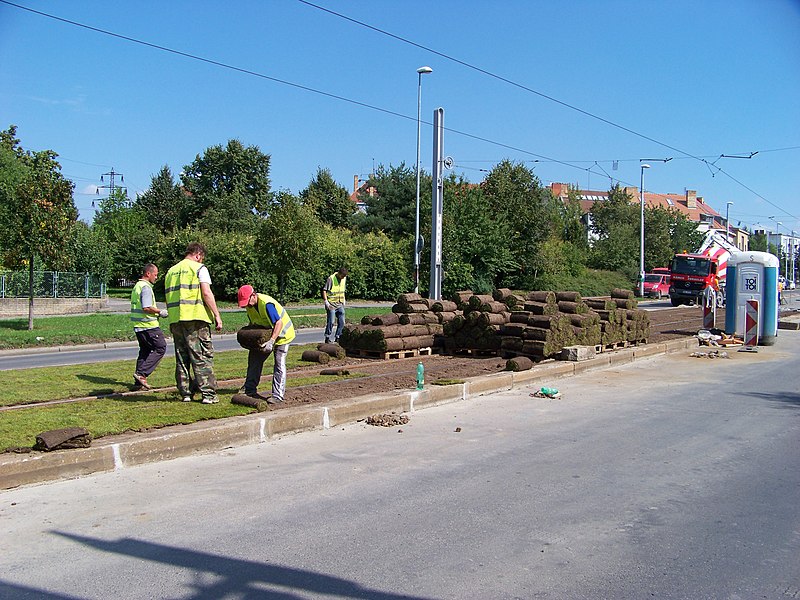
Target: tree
(130,236)
(329,200)
(392,208)
(165,203)
(227,186)
(530,213)
(287,240)
(36,208)
(476,246)
(89,252)
(615,222)
(758,242)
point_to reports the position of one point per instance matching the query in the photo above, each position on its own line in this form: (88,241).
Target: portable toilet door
(752,276)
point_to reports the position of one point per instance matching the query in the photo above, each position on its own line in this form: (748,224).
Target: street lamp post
(727,222)
(641,229)
(417,249)
(793,251)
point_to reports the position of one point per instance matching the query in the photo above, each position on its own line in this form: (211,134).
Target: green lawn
(118,414)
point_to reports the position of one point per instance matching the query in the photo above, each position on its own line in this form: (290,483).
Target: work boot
(141,380)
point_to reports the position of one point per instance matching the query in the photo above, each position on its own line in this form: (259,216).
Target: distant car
(656,285)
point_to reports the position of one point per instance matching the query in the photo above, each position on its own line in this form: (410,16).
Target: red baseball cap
(244,295)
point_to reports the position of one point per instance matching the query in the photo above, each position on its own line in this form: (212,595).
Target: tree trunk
(30,294)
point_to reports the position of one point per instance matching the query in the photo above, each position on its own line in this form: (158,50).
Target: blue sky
(691,80)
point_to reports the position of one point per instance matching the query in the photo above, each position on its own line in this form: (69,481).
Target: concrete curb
(118,452)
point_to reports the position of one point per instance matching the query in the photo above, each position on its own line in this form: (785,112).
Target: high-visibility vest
(258,315)
(141,319)
(336,293)
(182,289)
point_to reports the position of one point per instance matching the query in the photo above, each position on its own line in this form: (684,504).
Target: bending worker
(192,308)
(144,315)
(333,296)
(264,310)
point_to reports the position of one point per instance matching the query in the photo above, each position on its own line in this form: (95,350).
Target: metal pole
(727,222)
(641,230)
(794,251)
(417,249)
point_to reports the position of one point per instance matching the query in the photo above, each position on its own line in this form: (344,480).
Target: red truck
(691,274)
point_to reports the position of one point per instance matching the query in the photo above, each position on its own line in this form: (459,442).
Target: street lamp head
(422,70)
(729,203)
(645,166)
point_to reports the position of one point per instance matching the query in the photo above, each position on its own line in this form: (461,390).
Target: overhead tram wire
(533,91)
(377,108)
(273,79)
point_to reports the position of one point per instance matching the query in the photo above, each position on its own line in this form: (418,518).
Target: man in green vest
(333,296)
(144,316)
(264,310)
(192,308)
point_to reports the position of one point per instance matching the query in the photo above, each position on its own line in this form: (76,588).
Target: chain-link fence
(51,284)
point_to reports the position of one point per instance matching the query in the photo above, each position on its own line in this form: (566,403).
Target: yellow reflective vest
(258,315)
(182,289)
(139,318)
(336,293)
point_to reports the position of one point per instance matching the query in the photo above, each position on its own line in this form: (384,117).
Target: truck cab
(690,275)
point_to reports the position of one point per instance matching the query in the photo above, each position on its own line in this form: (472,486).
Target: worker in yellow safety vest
(144,316)
(192,308)
(333,297)
(267,312)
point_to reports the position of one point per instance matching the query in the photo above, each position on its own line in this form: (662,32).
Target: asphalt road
(670,478)
(121,351)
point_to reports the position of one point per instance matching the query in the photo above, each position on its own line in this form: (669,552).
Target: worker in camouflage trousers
(144,316)
(192,308)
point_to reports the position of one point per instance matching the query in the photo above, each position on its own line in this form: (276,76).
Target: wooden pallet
(618,345)
(474,352)
(394,354)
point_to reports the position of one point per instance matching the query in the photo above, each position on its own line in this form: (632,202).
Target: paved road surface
(669,478)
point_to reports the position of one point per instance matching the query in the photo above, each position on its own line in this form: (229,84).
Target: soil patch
(397,374)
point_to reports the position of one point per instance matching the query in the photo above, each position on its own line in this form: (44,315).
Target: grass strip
(119,414)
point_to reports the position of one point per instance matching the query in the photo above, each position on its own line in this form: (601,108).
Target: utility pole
(112,185)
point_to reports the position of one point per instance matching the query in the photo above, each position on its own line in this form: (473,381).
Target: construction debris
(710,354)
(386,420)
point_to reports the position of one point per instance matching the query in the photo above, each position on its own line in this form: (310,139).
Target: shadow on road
(230,577)
(781,399)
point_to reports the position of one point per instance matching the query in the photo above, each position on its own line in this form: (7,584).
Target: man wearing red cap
(264,310)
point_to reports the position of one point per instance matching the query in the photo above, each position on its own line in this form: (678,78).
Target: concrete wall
(18,307)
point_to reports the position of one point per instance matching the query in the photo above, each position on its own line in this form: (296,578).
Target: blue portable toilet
(752,276)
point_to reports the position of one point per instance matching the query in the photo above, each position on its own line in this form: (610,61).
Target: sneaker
(142,381)
(327,340)
(273,400)
(213,400)
(187,398)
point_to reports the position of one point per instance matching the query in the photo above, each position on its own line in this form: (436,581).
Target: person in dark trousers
(267,312)
(144,316)
(333,297)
